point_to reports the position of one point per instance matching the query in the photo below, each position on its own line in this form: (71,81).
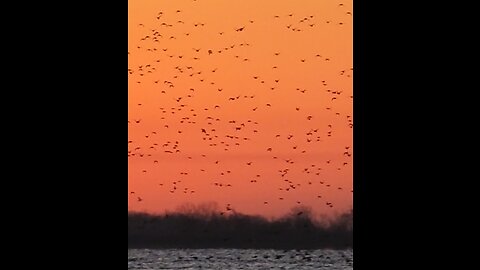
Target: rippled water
(239,259)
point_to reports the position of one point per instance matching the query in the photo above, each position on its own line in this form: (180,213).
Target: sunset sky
(245,103)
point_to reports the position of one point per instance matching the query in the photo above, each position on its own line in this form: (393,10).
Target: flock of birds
(193,112)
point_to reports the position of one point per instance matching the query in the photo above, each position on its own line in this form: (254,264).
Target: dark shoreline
(238,231)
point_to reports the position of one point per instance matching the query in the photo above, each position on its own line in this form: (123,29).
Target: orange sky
(176,91)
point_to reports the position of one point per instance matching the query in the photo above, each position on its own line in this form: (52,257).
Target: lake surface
(239,259)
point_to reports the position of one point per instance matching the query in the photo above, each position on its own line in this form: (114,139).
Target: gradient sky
(240,126)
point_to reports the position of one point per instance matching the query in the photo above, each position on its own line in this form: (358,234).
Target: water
(239,259)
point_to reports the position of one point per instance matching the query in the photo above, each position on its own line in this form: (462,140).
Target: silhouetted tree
(203,226)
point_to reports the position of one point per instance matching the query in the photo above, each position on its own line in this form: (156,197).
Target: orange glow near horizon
(244,103)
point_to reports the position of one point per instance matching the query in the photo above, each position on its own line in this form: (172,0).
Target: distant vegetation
(204,226)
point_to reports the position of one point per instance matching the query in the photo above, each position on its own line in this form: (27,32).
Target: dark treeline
(206,227)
